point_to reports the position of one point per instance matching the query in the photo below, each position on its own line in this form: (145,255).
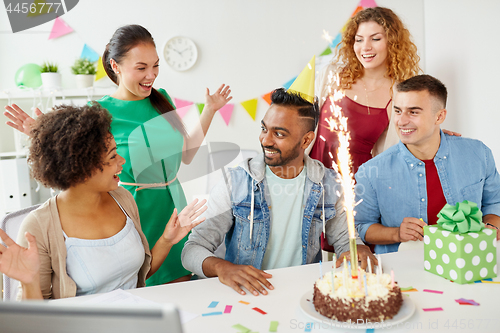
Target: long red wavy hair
(402,57)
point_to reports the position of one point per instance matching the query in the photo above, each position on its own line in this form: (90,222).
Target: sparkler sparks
(338,123)
(327,37)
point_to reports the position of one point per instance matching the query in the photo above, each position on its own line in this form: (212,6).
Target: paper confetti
(228,309)
(241,328)
(408,288)
(273,327)
(259,310)
(433,309)
(212,313)
(243,302)
(433,291)
(463,301)
(213,304)
(490,281)
(309,327)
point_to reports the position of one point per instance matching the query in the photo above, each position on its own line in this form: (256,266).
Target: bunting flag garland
(289,83)
(182,109)
(358,9)
(226,112)
(367,3)
(251,107)
(200,107)
(267,97)
(183,106)
(100,73)
(336,41)
(89,53)
(327,51)
(60,28)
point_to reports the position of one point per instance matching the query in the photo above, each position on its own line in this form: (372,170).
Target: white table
(282,304)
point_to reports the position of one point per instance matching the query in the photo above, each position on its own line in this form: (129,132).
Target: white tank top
(103,265)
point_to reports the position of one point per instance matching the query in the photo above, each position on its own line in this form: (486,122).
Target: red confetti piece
(433,291)
(259,310)
(433,309)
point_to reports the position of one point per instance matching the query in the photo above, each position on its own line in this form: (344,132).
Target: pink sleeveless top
(364,128)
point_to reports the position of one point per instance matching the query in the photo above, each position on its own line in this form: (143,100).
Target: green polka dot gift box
(459,248)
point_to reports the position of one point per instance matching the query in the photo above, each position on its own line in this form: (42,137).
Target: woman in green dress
(149,135)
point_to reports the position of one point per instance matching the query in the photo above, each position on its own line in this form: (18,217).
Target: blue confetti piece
(309,327)
(213,304)
(212,313)
(370,330)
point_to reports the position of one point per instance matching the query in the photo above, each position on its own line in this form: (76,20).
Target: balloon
(29,75)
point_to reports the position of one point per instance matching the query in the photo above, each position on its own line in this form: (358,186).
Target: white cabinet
(17,189)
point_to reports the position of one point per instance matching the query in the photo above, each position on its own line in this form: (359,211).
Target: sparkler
(337,122)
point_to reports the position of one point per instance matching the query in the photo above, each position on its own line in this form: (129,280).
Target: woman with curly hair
(376,52)
(88,238)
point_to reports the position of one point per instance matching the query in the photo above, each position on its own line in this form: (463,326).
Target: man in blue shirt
(405,187)
(271,209)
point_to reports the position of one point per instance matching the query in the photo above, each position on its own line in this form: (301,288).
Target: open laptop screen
(40,317)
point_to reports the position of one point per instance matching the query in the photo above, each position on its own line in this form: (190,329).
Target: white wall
(461,47)
(255,46)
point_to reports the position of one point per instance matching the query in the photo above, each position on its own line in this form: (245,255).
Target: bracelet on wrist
(494,226)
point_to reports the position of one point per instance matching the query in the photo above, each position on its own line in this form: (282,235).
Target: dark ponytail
(124,39)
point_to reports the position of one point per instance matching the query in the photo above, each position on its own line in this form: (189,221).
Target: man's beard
(280,160)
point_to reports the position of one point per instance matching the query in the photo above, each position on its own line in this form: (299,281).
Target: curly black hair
(68,145)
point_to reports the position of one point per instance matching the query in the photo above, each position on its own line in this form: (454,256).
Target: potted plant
(51,79)
(85,71)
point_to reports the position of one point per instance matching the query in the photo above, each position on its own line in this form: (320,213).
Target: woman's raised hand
(218,99)
(20,120)
(180,225)
(17,262)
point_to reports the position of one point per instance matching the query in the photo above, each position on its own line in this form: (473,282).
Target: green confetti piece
(407,288)
(241,328)
(273,327)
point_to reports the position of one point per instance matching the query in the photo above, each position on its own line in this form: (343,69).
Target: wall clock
(180,53)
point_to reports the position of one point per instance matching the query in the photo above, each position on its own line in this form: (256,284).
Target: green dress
(152,149)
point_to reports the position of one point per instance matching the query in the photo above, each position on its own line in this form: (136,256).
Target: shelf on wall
(57,93)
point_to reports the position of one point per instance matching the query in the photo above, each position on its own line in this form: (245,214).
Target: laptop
(41,317)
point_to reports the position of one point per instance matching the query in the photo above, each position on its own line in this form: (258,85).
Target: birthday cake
(351,301)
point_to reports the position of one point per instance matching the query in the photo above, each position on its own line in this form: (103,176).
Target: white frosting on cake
(378,287)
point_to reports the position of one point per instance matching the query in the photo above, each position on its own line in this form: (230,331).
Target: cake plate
(406,311)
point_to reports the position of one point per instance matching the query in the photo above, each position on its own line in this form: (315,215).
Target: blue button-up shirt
(393,184)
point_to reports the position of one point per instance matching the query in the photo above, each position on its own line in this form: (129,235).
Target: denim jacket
(393,184)
(239,213)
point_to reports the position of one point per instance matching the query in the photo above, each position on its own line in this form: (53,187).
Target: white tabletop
(282,304)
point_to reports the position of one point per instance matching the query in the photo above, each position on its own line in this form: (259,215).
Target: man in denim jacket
(271,209)
(405,187)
